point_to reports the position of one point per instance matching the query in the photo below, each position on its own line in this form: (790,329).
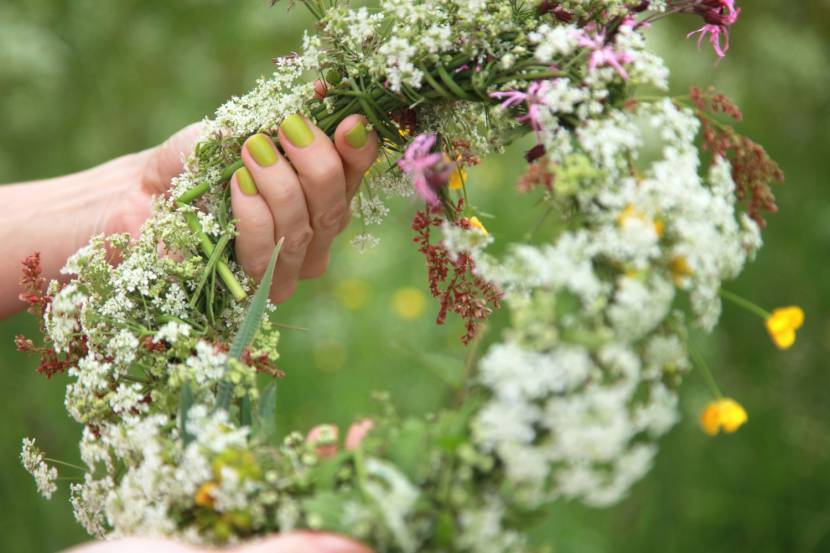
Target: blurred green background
(82,81)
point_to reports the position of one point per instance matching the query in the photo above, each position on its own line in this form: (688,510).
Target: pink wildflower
(719,16)
(429,170)
(533,99)
(325,438)
(604,54)
(357,432)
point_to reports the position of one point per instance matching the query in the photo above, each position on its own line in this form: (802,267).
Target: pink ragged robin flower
(428,169)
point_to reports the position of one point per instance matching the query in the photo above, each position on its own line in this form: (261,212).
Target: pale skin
(304,198)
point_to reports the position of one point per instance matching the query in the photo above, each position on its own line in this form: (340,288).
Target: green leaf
(185,402)
(249,327)
(408,446)
(245,411)
(209,268)
(267,412)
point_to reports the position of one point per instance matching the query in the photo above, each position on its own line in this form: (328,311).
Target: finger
(323,180)
(277,183)
(358,149)
(255,223)
(136,545)
(305,542)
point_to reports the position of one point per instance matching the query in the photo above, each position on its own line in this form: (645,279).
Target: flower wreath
(162,351)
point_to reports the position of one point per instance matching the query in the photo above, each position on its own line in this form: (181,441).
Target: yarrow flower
(783,323)
(723,414)
(45,476)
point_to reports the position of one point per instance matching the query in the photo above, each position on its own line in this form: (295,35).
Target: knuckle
(298,240)
(326,170)
(256,267)
(332,218)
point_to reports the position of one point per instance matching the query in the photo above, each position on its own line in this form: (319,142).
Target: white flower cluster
(44,475)
(579,391)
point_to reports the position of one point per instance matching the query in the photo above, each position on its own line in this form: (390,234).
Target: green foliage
(73,85)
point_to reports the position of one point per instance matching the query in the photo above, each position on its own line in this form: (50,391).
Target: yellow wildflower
(478,225)
(204,495)
(630,212)
(409,303)
(457,178)
(783,323)
(680,270)
(723,414)
(352,293)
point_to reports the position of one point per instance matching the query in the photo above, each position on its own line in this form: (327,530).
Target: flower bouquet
(657,200)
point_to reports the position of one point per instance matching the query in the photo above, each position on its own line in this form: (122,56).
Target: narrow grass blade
(267,412)
(250,326)
(185,402)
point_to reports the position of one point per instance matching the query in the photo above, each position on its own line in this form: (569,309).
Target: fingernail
(297,131)
(357,136)
(246,182)
(260,148)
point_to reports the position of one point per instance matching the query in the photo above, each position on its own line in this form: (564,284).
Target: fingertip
(356,142)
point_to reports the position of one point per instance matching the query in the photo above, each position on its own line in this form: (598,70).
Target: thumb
(303,542)
(166,160)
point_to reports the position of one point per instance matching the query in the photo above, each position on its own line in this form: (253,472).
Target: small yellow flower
(457,178)
(409,303)
(204,495)
(632,213)
(680,270)
(723,414)
(478,225)
(782,325)
(352,293)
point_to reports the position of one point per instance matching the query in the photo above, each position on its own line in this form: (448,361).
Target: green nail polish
(297,131)
(261,150)
(358,136)
(246,182)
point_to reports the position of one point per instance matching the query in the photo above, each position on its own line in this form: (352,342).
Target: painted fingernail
(246,182)
(261,149)
(297,131)
(357,136)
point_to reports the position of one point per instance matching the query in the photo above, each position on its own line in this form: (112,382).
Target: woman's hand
(288,543)
(303,196)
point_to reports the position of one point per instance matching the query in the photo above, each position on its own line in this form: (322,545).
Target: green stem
(700,362)
(225,273)
(745,303)
(64,463)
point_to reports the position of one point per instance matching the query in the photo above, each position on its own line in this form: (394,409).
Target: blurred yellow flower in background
(352,293)
(723,414)
(783,323)
(409,303)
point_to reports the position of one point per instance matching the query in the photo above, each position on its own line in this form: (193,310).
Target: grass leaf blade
(250,326)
